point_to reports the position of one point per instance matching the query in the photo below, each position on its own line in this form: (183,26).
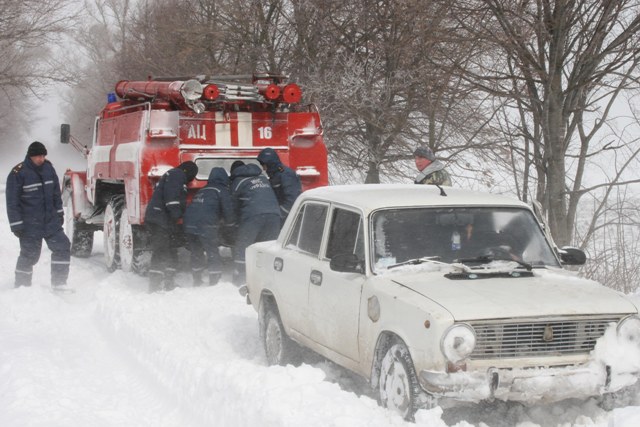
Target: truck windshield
(458,235)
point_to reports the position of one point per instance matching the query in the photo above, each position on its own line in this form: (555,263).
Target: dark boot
(214,278)
(197,277)
(23,278)
(155,281)
(169,279)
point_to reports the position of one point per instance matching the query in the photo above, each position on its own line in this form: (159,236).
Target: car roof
(370,197)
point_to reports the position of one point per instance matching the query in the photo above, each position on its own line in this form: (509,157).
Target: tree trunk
(373,173)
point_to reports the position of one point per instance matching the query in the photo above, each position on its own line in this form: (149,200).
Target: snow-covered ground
(113,355)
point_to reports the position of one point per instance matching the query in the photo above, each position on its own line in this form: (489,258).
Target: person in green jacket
(431,170)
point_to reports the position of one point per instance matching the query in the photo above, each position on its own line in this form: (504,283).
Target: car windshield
(467,235)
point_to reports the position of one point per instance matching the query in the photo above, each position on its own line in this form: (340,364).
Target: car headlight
(628,329)
(458,342)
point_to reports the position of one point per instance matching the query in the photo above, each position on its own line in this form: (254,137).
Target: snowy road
(113,355)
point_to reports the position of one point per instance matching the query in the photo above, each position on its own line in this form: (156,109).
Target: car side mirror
(346,263)
(572,256)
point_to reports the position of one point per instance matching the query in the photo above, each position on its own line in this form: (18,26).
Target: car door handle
(316,277)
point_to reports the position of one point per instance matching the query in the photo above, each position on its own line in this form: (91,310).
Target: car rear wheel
(398,387)
(278,347)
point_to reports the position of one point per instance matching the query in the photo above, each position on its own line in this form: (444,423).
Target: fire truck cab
(149,127)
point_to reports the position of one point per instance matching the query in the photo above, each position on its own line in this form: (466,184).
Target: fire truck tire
(110,231)
(81,239)
(131,242)
(81,242)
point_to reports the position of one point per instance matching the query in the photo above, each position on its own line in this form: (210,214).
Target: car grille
(539,337)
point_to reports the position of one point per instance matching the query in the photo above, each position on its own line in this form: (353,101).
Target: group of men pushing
(248,203)
(253,206)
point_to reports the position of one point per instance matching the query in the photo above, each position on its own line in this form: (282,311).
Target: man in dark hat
(34,209)
(284,181)
(256,208)
(431,170)
(164,211)
(202,222)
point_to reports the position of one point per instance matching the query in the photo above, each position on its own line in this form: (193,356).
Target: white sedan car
(437,293)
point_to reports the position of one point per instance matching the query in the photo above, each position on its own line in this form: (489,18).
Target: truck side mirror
(65,133)
(346,263)
(572,256)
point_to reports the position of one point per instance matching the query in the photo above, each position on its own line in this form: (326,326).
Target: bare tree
(382,86)
(562,65)
(102,40)
(207,36)
(614,243)
(29,32)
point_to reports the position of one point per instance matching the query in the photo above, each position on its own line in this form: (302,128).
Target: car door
(334,297)
(299,258)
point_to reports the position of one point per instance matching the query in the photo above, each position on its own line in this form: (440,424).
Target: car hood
(547,293)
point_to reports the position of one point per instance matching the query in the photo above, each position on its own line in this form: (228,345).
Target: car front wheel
(398,387)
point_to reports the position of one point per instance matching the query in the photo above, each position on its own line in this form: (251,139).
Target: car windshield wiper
(486,259)
(416,261)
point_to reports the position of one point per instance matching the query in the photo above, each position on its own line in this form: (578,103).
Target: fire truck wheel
(81,239)
(131,242)
(110,232)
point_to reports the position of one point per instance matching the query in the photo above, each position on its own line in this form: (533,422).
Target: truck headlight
(458,342)
(628,329)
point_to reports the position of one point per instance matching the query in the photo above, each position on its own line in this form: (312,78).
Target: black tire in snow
(278,347)
(398,387)
(110,230)
(81,242)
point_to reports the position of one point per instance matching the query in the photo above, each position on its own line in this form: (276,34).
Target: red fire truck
(152,126)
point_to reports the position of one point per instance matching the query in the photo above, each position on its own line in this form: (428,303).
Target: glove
(18,233)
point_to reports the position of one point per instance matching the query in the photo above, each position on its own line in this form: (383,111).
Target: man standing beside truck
(34,209)
(163,213)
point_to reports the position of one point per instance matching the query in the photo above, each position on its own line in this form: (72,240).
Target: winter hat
(190,169)
(36,149)
(268,156)
(236,165)
(425,152)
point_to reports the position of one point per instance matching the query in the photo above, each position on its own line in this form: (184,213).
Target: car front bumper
(525,385)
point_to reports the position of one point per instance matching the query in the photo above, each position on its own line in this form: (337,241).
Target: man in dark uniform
(165,209)
(209,206)
(34,209)
(256,206)
(284,181)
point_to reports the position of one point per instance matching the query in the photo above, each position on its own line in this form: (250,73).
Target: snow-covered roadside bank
(57,369)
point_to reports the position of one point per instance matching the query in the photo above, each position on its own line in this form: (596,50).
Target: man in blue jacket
(284,181)
(164,211)
(256,206)
(34,209)
(210,205)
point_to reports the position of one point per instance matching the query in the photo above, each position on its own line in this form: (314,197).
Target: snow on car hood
(547,293)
